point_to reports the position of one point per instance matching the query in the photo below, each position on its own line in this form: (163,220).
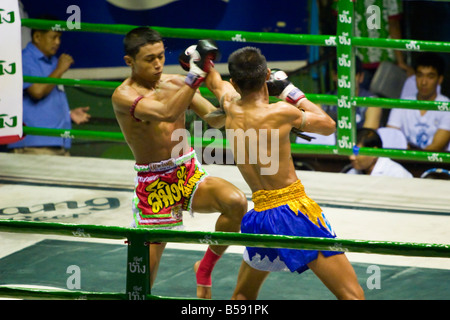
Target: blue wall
(105,50)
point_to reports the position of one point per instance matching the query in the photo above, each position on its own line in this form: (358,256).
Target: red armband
(133,107)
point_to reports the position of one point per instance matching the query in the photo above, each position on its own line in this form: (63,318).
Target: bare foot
(202,291)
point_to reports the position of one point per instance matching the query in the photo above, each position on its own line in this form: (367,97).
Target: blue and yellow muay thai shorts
(287,211)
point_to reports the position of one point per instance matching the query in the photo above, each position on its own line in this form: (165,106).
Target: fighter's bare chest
(165,128)
(162,92)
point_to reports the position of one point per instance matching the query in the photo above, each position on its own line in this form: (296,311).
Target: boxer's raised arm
(217,86)
(311,118)
(126,99)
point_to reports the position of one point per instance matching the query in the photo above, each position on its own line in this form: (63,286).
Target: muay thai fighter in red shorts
(150,106)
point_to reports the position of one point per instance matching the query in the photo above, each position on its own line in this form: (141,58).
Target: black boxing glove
(279,86)
(209,52)
(185,56)
(198,60)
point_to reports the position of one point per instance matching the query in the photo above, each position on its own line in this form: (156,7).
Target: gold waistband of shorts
(269,199)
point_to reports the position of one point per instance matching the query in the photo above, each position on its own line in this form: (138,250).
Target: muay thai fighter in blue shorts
(280,203)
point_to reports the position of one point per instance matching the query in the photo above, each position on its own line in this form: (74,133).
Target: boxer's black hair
(431,59)
(139,37)
(248,69)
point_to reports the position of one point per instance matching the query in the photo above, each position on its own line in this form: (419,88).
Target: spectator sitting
(410,88)
(45,105)
(371,165)
(425,130)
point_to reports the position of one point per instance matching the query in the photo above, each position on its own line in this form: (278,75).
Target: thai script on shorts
(164,195)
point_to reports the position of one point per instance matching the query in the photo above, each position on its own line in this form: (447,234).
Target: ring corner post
(138,268)
(346,76)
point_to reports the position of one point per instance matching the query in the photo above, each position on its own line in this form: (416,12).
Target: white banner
(11,79)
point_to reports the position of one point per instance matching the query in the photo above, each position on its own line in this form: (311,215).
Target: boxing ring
(420,197)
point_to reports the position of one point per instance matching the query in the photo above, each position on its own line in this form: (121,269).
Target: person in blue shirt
(45,105)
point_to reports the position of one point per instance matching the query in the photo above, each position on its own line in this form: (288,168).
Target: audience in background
(423,129)
(45,105)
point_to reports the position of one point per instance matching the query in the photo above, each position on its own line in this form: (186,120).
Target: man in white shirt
(410,88)
(425,130)
(371,165)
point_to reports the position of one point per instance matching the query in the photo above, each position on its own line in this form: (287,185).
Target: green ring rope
(318,98)
(223,143)
(229,238)
(52,294)
(295,148)
(258,37)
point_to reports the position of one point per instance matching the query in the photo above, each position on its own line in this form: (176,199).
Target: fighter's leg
(249,282)
(156,251)
(338,275)
(217,195)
